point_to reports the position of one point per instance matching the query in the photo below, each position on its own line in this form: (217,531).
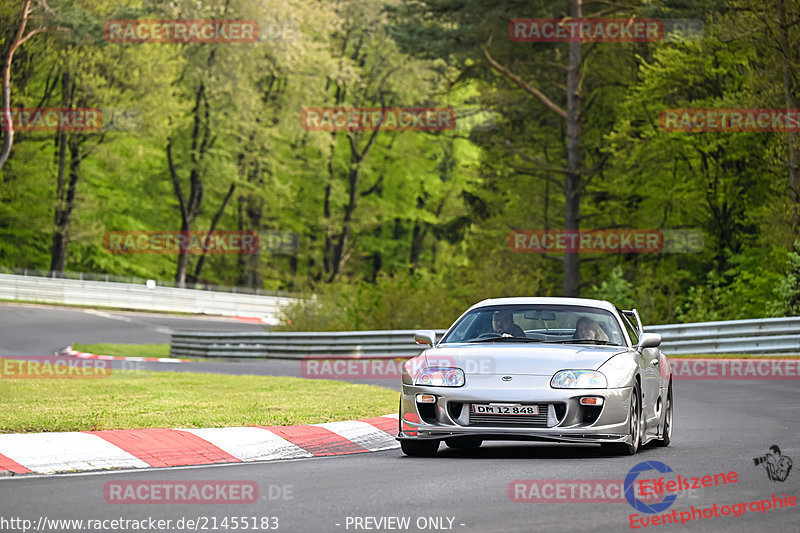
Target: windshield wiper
(588,341)
(515,339)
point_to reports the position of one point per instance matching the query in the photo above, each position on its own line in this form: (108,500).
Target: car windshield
(543,323)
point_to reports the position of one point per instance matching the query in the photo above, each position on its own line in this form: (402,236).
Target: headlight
(440,377)
(579,379)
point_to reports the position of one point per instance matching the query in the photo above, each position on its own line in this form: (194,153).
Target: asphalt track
(40,330)
(720,426)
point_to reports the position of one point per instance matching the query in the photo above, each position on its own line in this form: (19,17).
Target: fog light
(426,398)
(591,400)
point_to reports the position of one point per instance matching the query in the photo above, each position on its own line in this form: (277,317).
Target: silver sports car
(545,369)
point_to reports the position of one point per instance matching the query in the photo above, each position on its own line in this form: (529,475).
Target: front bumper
(563,418)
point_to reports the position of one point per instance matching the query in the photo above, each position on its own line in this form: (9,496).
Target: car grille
(490,420)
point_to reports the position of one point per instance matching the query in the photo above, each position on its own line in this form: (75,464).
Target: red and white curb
(51,453)
(69,352)
(257,320)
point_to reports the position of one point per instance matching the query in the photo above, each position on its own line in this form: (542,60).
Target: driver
(503,323)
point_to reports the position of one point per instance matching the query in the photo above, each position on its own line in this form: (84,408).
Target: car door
(648,361)
(652,379)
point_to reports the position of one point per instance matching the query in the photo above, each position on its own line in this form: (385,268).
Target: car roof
(548,300)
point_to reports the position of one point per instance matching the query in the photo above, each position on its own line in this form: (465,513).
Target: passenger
(503,323)
(586,328)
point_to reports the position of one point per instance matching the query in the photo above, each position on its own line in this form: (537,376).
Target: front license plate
(488,409)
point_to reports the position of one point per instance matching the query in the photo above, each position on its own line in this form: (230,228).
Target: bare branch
(529,159)
(524,85)
(31,34)
(537,174)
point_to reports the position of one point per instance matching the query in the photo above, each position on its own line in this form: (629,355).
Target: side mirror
(428,336)
(649,340)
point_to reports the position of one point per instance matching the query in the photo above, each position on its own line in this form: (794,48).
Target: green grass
(141,399)
(136,350)
(128,350)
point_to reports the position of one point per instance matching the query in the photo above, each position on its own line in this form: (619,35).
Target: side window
(631,330)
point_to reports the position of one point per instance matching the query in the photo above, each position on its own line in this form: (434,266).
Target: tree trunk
(328,251)
(190,208)
(572,117)
(58,258)
(19,39)
(183,261)
(791,104)
(344,236)
(418,234)
(572,180)
(250,212)
(58,249)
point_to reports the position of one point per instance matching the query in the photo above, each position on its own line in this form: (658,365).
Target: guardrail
(148,297)
(760,336)
(134,280)
(296,345)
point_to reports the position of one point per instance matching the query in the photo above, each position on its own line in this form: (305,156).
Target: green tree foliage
(403,229)
(616,289)
(787,292)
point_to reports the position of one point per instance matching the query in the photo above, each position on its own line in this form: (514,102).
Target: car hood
(532,359)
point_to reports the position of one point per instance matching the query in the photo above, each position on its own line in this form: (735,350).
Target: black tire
(419,448)
(464,443)
(666,434)
(635,427)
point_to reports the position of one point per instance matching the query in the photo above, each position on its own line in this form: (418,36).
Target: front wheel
(635,425)
(419,448)
(666,435)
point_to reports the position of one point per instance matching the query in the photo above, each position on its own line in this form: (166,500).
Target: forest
(389,153)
